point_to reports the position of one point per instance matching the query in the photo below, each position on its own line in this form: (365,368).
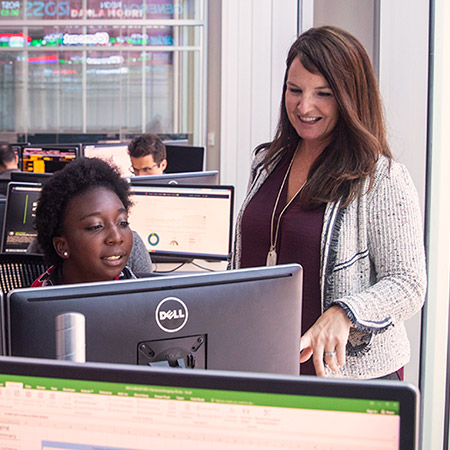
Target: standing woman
(326,194)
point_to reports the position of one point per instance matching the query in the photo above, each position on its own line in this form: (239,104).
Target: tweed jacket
(372,265)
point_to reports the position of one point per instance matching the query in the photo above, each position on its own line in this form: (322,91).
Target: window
(120,67)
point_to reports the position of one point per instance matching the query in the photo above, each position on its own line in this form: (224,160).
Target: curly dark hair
(78,177)
(147,144)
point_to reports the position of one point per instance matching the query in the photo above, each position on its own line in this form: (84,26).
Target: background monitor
(48,158)
(18,222)
(30,177)
(183,220)
(184,158)
(204,178)
(247,319)
(112,153)
(56,404)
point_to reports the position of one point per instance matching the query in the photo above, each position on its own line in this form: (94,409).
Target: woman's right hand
(326,341)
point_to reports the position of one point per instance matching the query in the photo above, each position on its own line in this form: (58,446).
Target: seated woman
(82,224)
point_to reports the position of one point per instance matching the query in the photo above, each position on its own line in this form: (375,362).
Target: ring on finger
(330,354)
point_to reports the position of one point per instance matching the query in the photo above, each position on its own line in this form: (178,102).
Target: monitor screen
(113,153)
(18,229)
(183,220)
(184,158)
(60,405)
(48,158)
(206,177)
(247,319)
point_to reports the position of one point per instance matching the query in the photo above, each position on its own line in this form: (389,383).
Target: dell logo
(171,314)
(176,314)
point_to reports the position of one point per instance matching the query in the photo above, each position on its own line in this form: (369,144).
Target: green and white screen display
(51,413)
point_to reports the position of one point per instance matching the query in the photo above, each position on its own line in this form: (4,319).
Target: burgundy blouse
(298,241)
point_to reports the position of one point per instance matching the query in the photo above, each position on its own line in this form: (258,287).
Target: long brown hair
(359,137)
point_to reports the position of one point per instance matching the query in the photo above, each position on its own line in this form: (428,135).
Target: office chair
(19,270)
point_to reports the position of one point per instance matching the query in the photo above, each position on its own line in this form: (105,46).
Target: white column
(435,342)
(403,77)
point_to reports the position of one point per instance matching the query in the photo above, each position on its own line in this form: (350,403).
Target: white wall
(256,35)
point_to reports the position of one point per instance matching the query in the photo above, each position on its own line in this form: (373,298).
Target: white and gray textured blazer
(372,265)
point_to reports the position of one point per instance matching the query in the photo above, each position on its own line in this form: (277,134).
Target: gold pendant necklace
(272,256)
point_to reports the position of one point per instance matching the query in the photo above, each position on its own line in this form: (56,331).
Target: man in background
(147,155)
(8,161)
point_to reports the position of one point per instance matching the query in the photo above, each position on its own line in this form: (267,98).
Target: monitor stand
(187,352)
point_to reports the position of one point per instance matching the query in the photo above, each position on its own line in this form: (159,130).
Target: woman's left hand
(326,340)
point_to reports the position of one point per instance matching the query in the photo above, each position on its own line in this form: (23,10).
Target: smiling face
(310,104)
(96,241)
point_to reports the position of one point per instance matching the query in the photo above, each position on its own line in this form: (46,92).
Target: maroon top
(298,241)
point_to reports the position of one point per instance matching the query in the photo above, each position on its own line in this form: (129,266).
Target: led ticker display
(96,9)
(10,9)
(160,36)
(14,40)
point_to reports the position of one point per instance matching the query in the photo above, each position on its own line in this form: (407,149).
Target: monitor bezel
(30,177)
(405,393)
(189,256)
(192,178)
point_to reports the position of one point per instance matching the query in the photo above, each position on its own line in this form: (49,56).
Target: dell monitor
(48,158)
(116,154)
(61,405)
(18,221)
(190,222)
(184,158)
(203,178)
(246,319)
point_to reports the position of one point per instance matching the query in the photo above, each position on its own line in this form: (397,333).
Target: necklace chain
(272,254)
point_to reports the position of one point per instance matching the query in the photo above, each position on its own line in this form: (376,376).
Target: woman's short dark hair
(78,177)
(148,144)
(359,137)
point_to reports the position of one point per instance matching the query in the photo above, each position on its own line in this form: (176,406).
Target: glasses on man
(143,171)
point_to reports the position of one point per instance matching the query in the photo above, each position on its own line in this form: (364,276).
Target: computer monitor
(184,158)
(113,153)
(48,158)
(30,177)
(182,220)
(61,405)
(196,178)
(18,222)
(246,319)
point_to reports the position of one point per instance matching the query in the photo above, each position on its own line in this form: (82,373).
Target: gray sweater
(372,264)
